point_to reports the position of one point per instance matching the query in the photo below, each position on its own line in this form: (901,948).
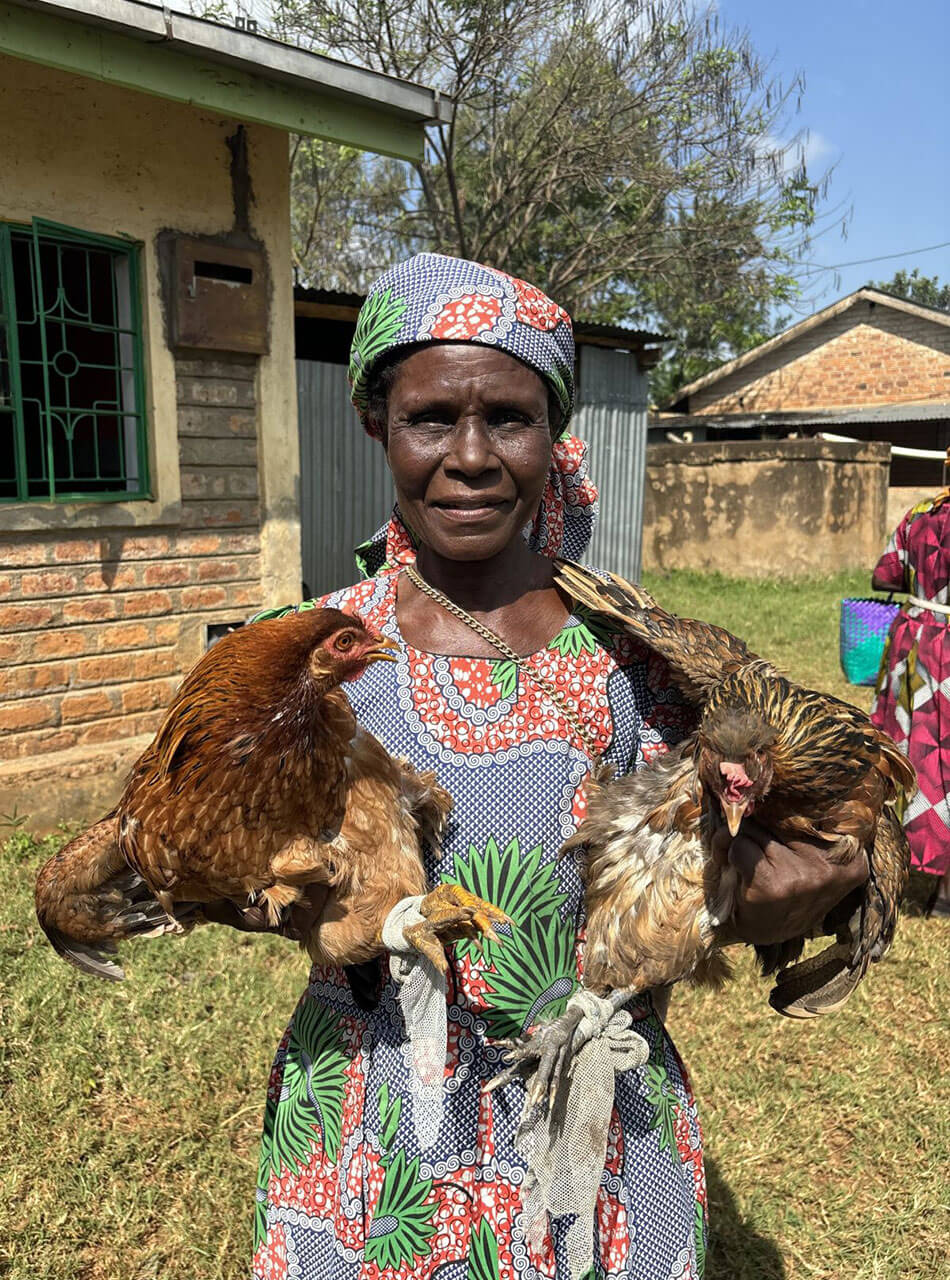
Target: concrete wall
(103,606)
(901,498)
(765,508)
(869,354)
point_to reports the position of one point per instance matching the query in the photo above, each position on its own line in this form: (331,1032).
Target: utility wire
(860,262)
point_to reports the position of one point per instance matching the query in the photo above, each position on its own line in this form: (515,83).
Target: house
(870,366)
(149,457)
(346,486)
(800,455)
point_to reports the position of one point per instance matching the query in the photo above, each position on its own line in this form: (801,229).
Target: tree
(927,290)
(625,155)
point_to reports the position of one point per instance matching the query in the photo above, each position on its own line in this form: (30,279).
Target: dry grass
(828,1142)
(132,1112)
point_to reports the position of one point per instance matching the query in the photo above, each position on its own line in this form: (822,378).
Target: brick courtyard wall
(869,354)
(97,628)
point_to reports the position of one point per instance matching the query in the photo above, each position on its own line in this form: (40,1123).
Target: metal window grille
(72,422)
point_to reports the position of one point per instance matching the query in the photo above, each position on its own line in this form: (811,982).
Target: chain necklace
(543,683)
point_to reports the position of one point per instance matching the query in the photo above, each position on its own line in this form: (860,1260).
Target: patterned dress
(345,1193)
(912,702)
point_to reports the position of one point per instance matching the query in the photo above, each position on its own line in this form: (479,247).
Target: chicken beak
(385,650)
(734,810)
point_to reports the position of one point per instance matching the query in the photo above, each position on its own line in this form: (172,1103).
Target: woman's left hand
(785,890)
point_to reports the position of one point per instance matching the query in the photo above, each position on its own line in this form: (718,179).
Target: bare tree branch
(633,157)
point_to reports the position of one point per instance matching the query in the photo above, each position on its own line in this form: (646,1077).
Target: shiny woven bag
(864,626)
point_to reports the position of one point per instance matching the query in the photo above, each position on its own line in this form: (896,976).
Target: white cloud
(817,151)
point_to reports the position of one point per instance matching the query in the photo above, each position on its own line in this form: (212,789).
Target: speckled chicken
(808,765)
(657,898)
(260,787)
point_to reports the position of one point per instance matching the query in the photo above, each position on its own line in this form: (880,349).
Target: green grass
(828,1143)
(792,622)
(131,1112)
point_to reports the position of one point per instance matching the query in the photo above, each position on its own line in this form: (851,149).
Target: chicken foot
(543,1058)
(451,914)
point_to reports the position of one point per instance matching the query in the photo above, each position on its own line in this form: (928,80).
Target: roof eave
(233,74)
(255,54)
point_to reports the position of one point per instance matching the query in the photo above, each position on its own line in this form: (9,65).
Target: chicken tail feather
(86,958)
(699,654)
(88,898)
(818,985)
(773,956)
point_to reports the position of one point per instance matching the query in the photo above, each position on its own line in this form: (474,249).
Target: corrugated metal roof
(907,411)
(328,297)
(618,333)
(919,411)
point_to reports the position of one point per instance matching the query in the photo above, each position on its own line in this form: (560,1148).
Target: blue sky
(877,104)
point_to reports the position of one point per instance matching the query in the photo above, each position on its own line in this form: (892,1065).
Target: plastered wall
(103,607)
(763,509)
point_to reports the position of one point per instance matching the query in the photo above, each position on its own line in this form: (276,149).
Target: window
(72,425)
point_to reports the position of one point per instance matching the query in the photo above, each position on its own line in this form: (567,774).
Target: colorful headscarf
(434,298)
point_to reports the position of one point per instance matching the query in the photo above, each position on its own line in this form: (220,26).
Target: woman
(910,699)
(465,375)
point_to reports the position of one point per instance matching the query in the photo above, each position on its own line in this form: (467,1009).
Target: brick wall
(869,354)
(97,629)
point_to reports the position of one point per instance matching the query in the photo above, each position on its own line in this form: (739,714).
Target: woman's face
(469,446)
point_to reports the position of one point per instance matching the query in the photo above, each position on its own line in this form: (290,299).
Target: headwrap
(434,298)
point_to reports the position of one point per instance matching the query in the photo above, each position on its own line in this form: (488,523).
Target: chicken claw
(540,1058)
(451,914)
(544,1058)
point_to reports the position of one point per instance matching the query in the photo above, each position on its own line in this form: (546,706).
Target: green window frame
(72,384)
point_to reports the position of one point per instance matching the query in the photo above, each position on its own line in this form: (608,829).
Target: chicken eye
(345,641)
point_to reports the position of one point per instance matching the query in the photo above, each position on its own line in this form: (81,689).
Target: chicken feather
(811,766)
(258,786)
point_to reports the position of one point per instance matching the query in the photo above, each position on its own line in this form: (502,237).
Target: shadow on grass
(919,893)
(736,1250)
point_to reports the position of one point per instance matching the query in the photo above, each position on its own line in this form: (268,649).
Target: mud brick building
(868,349)
(870,366)
(752,487)
(149,456)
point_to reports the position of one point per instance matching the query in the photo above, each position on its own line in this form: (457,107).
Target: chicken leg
(543,1058)
(451,914)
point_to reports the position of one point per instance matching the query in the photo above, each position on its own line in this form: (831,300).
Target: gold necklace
(543,683)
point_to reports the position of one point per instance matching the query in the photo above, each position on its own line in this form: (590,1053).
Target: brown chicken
(261,788)
(809,766)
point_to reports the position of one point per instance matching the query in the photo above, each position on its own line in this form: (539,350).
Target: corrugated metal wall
(346,490)
(611,416)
